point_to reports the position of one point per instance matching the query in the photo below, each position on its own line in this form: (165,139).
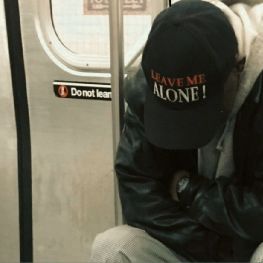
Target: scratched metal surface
(72,159)
(9,225)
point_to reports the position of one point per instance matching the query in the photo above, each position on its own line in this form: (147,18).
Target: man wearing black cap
(190,159)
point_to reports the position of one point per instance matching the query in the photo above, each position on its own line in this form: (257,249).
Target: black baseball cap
(190,51)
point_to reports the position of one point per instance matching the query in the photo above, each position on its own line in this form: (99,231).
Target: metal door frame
(23,129)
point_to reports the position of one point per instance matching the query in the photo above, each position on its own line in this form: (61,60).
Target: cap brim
(181,129)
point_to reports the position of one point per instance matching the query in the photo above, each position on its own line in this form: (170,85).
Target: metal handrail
(117,78)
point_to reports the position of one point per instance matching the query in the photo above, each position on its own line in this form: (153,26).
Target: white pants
(126,244)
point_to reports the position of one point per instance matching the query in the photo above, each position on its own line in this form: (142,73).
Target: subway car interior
(62,68)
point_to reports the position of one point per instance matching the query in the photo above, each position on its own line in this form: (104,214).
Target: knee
(257,256)
(108,246)
(116,237)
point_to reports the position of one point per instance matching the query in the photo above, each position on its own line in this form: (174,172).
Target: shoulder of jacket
(134,92)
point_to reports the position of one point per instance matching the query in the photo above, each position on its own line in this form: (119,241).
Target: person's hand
(176,178)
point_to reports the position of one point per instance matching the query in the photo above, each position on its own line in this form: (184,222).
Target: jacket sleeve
(226,207)
(234,206)
(147,204)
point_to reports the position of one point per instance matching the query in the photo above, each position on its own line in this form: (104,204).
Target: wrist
(182,184)
(192,190)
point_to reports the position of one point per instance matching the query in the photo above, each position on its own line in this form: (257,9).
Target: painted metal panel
(9,219)
(72,158)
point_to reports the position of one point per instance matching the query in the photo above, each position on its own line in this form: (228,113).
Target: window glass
(78,31)
(82,26)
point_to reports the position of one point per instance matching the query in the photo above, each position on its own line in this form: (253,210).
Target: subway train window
(81,38)
(81,29)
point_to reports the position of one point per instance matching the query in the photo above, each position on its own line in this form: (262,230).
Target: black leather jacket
(215,220)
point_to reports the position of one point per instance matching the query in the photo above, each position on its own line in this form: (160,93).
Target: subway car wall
(57,183)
